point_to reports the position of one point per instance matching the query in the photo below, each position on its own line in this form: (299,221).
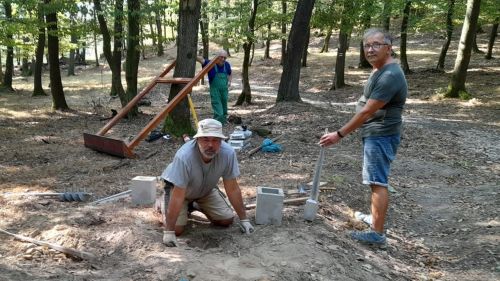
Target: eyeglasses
(375,46)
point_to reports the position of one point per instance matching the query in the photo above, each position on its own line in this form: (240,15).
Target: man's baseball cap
(209,128)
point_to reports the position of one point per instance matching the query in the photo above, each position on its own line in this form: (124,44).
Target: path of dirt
(443,220)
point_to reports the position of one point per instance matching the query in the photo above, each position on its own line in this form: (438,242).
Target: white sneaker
(363,217)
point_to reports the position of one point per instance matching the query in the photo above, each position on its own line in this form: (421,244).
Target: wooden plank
(175,80)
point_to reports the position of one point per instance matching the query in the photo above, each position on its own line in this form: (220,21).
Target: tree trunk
(268,42)
(458,78)
(9,60)
(404,33)
(1,71)
(96,53)
(475,48)
(283,33)
(160,49)
(113,58)
(151,29)
(204,23)
(366,23)
(40,46)
(326,43)
(179,120)
(491,42)
(289,84)
(306,47)
(449,33)
(133,53)
(56,87)
(339,75)
(246,93)
(386,14)
(71,65)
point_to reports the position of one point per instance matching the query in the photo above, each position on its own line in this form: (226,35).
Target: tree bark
(40,46)
(179,120)
(268,42)
(326,43)
(366,22)
(289,84)
(386,14)
(73,40)
(306,47)
(458,78)
(9,60)
(56,87)
(404,33)
(283,32)
(475,48)
(160,50)
(113,58)
(491,42)
(133,52)
(339,75)
(246,93)
(96,53)
(449,33)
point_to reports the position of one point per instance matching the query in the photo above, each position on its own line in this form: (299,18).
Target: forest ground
(443,222)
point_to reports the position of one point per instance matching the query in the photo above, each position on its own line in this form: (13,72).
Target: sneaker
(369,237)
(363,217)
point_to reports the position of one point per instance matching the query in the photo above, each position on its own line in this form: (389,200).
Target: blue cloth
(269,146)
(378,153)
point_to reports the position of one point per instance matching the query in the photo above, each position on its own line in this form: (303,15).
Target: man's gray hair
(373,31)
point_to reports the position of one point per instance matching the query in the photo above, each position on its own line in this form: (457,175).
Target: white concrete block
(143,190)
(269,206)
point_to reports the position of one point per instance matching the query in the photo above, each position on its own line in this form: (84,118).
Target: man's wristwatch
(340,134)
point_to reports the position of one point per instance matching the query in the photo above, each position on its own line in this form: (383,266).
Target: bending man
(194,173)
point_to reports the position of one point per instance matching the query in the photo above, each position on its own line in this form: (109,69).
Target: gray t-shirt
(188,170)
(387,84)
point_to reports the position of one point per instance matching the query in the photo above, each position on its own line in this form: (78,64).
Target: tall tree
(179,121)
(56,86)
(449,33)
(458,78)
(159,48)
(289,84)
(404,36)
(113,58)
(366,12)
(491,41)
(37,79)
(133,52)
(346,24)
(283,31)
(246,93)
(9,61)
(386,14)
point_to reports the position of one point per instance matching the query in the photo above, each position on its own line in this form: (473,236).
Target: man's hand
(246,227)
(169,238)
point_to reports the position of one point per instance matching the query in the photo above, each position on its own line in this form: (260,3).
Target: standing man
(219,78)
(379,114)
(193,176)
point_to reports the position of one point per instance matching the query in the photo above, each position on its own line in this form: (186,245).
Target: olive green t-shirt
(387,84)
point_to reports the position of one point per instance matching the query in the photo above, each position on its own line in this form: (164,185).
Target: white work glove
(246,227)
(169,238)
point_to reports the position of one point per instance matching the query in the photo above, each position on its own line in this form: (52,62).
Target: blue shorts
(378,153)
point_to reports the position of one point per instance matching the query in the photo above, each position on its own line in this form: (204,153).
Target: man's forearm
(175,203)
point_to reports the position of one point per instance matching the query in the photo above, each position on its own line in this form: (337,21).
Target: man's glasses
(375,46)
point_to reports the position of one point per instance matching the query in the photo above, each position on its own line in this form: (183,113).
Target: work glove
(246,227)
(169,238)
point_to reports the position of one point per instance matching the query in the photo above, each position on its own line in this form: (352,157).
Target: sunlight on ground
(15,114)
(420,52)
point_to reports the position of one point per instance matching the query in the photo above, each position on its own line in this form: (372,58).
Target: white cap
(209,128)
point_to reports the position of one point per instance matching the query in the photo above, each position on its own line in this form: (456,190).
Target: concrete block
(269,206)
(143,191)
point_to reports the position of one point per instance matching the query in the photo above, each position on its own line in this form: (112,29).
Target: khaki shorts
(213,206)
